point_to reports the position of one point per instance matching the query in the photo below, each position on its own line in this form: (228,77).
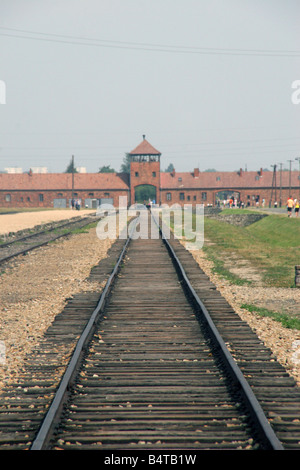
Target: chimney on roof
(196,172)
(241,171)
(173,172)
(261,172)
(144,136)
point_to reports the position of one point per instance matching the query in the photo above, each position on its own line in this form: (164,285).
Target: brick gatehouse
(194,187)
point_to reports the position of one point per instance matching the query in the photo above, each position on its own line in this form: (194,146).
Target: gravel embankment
(284,342)
(33,291)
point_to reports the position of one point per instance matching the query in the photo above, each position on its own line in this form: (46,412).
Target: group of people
(232,202)
(75,204)
(292,203)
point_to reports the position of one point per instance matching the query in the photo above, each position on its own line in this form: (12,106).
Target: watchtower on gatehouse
(145,172)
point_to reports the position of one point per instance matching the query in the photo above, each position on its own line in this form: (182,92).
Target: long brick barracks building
(56,189)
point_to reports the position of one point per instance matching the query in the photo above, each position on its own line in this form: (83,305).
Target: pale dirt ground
(25,220)
(34,289)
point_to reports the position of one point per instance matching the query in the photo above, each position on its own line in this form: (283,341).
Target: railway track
(151,371)
(22,244)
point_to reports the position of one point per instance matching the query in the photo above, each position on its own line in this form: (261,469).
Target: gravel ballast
(283,342)
(35,288)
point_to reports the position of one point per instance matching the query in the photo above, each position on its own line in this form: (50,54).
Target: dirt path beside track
(25,220)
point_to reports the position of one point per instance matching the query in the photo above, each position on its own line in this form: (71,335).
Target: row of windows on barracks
(209,188)
(90,200)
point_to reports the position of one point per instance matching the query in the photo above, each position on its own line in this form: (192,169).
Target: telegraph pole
(273,183)
(290,176)
(72,177)
(280,200)
(298,158)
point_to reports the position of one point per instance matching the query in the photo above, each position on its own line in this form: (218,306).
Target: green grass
(271,245)
(280,231)
(284,318)
(240,211)
(85,229)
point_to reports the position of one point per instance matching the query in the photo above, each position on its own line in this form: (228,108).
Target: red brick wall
(31,198)
(197,196)
(249,195)
(193,196)
(22,198)
(142,173)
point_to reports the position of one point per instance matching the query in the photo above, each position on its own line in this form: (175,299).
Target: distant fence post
(297,276)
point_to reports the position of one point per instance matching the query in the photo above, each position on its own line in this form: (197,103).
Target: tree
(71,168)
(125,167)
(106,169)
(210,170)
(170,168)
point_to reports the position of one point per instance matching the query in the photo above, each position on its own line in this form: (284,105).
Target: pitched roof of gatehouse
(145,148)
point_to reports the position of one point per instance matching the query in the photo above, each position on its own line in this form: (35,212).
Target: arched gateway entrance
(145,192)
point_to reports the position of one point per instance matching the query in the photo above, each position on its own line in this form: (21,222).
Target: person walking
(297,207)
(290,205)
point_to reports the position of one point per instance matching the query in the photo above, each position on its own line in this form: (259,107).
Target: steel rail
(60,397)
(270,439)
(268,436)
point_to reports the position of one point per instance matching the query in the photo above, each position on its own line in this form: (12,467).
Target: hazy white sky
(207,81)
